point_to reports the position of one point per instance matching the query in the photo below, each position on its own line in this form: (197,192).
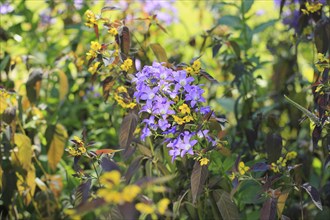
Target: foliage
(107,111)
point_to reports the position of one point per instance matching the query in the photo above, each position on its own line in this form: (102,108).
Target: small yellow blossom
(291,155)
(162,205)
(145,208)
(73,152)
(91,18)
(196,65)
(120,100)
(113,31)
(281,161)
(204,161)
(178,120)
(110,179)
(130,192)
(184,109)
(188,118)
(232,176)
(127,64)
(274,168)
(91,54)
(311,7)
(189,70)
(93,68)
(242,169)
(95,45)
(77,140)
(72,213)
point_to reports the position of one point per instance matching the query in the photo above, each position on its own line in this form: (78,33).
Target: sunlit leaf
(144,150)
(127,129)
(230,20)
(314,194)
(226,206)
(268,210)
(42,186)
(26,185)
(198,179)
(56,143)
(281,203)
(109,8)
(107,85)
(63,85)
(159,52)
(22,154)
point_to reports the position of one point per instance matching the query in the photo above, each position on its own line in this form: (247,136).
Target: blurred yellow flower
(291,155)
(242,169)
(145,208)
(110,179)
(162,205)
(91,18)
(204,161)
(127,64)
(184,108)
(94,67)
(113,31)
(178,120)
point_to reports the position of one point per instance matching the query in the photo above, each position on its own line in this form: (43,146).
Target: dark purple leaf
(322,35)
(208,76)
(33,85)
(236,48)
(128,211)
(82,193)
(314,194)
(108,165)
(273,147)
(198,178)
(316,135)
(125,40)
(259,167)
(133,167)
(226,206)
(268,210)
(215,49)
(127,129)
(107,84)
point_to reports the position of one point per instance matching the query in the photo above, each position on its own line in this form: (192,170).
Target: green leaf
(230,20)
(127,129)
(226,206)
(4,62)
(198,178)
(309,114)
(263,26)
(246,5)
(159,52)
(64,85)
(56,143)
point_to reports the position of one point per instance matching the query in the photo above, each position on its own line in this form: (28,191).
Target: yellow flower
(110,179)
(184,109)
(77,140)
(204,161)
(314,7)
(275,168)
(232,176)
(145,208)
(196,66)
(113,31)
(93,68)
(73,152)
(127,64)
(91,54)
(188,118)
(178,120)
(242,169)
(281,161)
(72,213)
(130,192)
(162,205)
(91,19)
(95,46)
(189,70)
(110,196)
(291,155)
(82,149)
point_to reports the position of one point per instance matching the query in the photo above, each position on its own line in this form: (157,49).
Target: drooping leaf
(197,179)
(309,114)
(226,206)
(108,165)
(273,146)
(107,84)
(23,155)
(281,202)
(133,167)
(314,194)
(64,85)
(125,40)
(4,62)
(82,192)
(268,210)
(56,143)
(127,129)
(159,52)
(106,151)
(322,35)
(236,48)
(208,76)
(33,85)
(177,205)
(215,49)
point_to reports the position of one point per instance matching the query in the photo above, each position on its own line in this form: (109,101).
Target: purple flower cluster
(169,101)
(165,10)
(6,8)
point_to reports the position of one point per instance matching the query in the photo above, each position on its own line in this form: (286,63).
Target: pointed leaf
(316,135)
(215,49)
(133,167)
(226,206)
(56,145)
(281,203)
(246,5)
(314,194)
(127,129)
(33,85)
(268,210)
(22,156)
(107,85)
(108,165)
(198,178)
(309,114)
(208,76)
(273,146)
(159,52)
(125,40)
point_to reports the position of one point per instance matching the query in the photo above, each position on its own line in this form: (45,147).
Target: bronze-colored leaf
(159,52)
(127,129)
(108,165)
(56,143)
(106,86)
(125,40)
(314,194)
(33,85)
(268,210)
(198,178)
(82,192)
(64,85)
(226,206)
